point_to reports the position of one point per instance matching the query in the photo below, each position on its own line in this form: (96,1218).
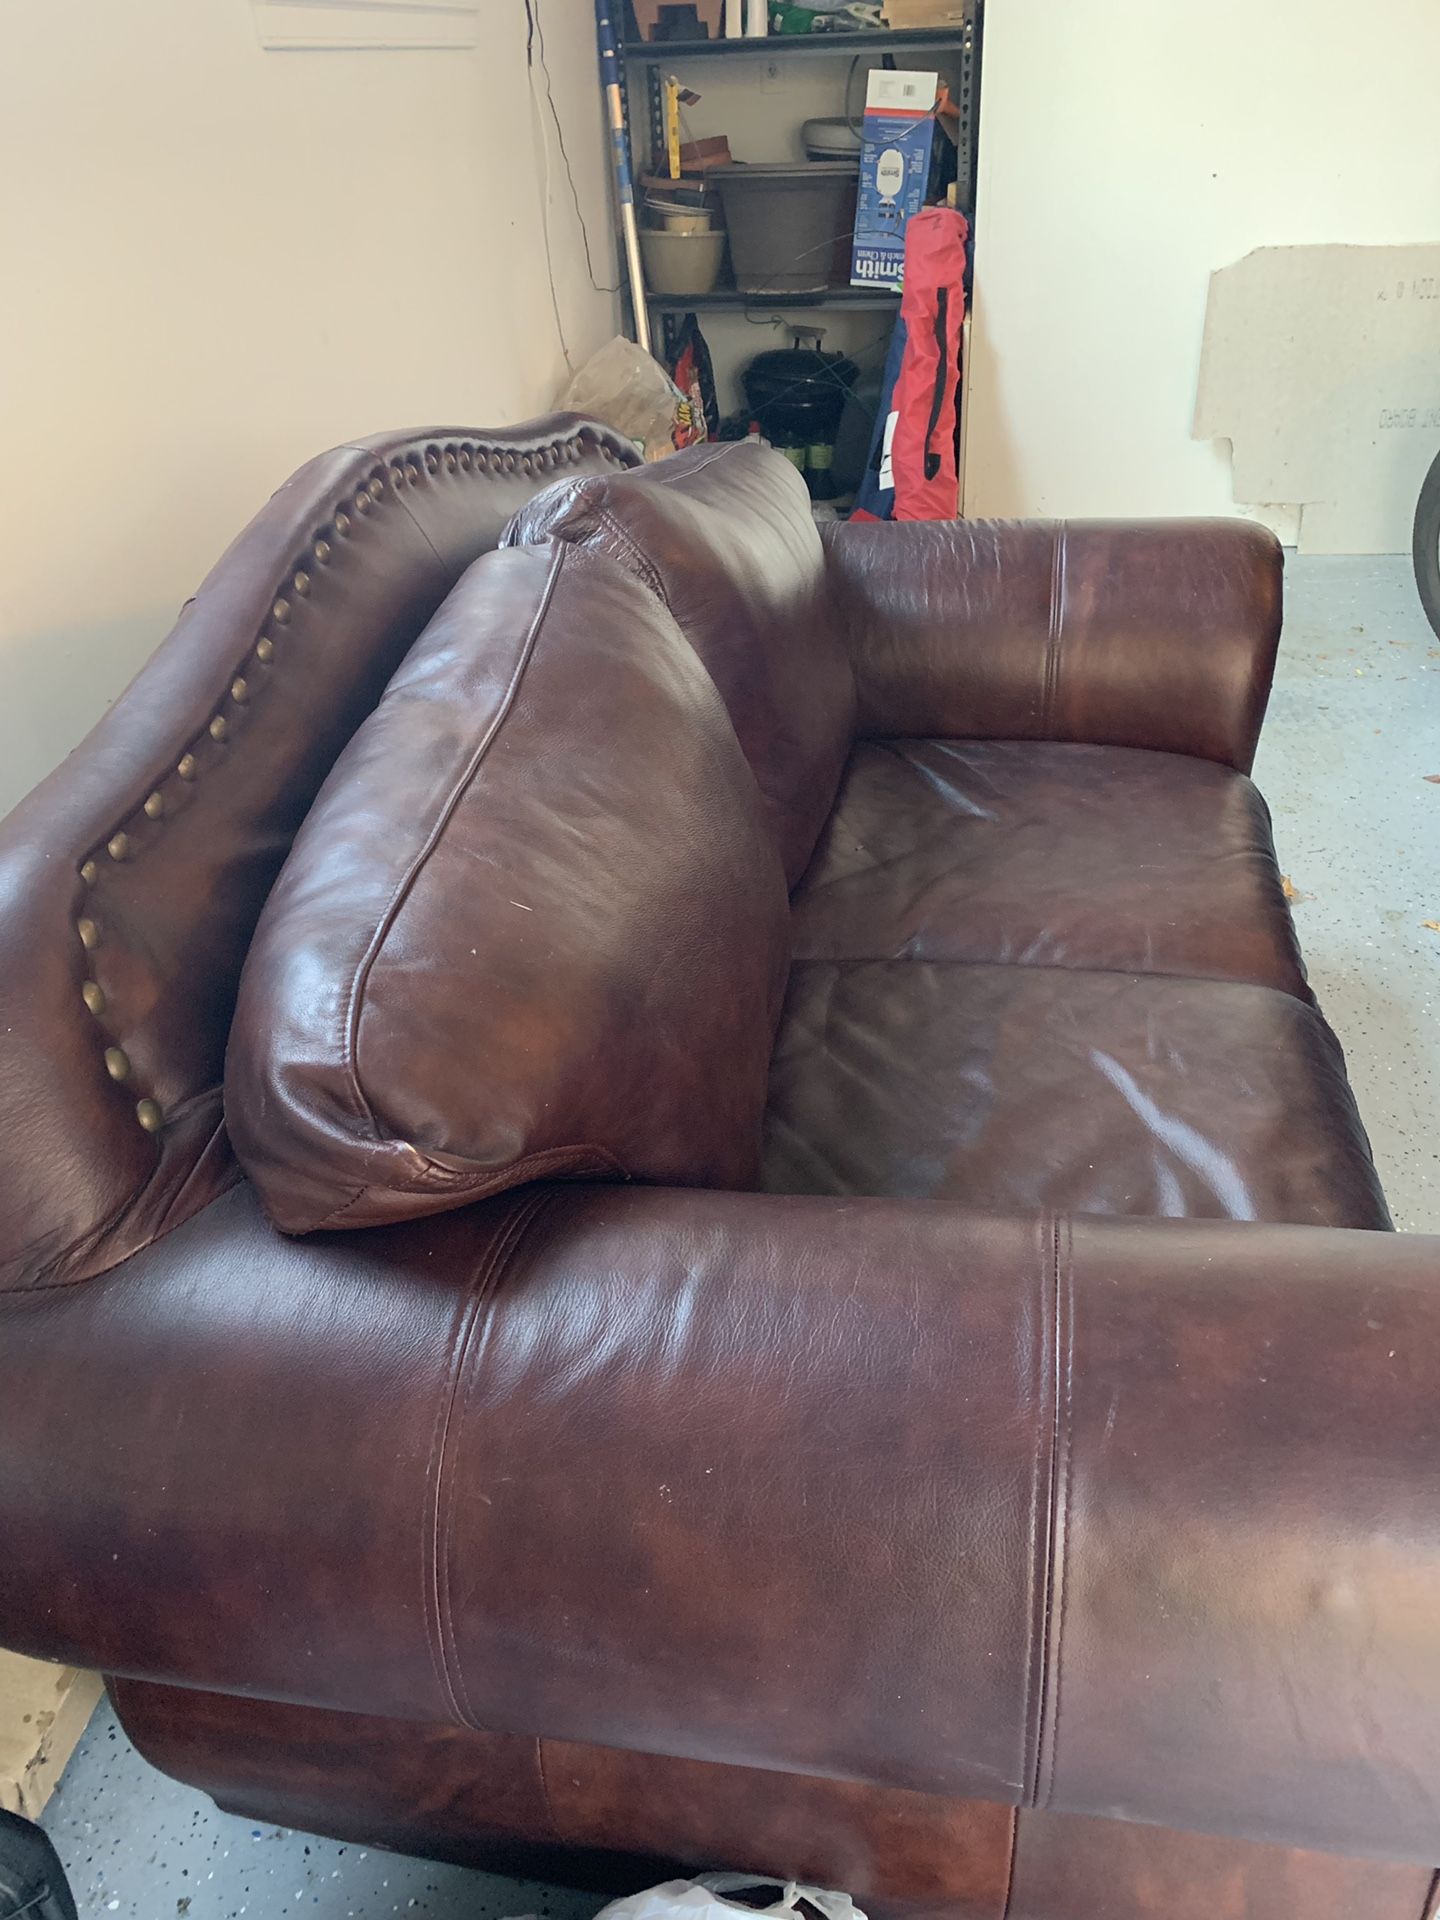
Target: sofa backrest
(131,879)
(534,925)
(725,536)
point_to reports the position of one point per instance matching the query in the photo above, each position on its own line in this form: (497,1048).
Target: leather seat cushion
(724,534)
(1019,1088)
(534,925)
(1053,855)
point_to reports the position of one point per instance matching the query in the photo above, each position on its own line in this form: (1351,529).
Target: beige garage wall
(214,262)
(1127,147)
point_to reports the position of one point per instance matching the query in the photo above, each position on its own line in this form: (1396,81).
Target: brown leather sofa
(835,1314)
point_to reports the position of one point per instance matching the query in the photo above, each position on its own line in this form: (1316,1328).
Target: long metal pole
(613,81)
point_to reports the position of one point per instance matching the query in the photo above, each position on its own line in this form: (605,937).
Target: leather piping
(1063,1467)
(1054,638)
(439,1616)
(1042,1482)
(416,866)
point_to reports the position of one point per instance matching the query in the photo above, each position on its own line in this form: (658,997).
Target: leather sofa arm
(1147,634)
(1130,1518)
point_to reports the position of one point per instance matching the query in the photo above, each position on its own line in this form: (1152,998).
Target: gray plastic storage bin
(791,226)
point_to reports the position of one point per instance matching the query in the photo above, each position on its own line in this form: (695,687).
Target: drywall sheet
(1321,366)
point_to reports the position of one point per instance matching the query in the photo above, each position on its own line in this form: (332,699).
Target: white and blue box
(897,163)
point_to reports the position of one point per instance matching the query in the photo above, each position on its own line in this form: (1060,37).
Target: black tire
(1427,545)
(32,1881)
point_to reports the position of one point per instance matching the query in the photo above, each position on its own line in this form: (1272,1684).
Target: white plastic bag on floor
(704,1899)
(621,385)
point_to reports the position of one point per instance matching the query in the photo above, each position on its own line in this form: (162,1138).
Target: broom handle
(613,83)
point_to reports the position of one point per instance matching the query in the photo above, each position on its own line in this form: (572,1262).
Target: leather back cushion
(131,880)
(724,534)
(534,924)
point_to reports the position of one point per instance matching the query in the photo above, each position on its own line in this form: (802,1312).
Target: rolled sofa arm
(1158,633)
(1131,1518)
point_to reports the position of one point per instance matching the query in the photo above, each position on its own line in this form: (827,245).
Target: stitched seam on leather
(163,1229)
(548,1803)
(1065,1310)
(642,564)
(519,1228)
(429,1521)
(593,1160)
(1055,637)
(410,515)
(646,568)
(434,1546)
(1041,1521)
(666,479)
(1011,1863)
(44,1282)
(417,865)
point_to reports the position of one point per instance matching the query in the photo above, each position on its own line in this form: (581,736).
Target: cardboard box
(43,1711)
(898,161)
(1321,367)
(907,14)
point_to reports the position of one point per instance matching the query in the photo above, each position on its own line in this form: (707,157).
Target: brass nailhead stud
(118,846)
(264,650)
(154,805)
(219,727)
(89,934)
(342,522)
(362,501)
(188,767)
(432,463)
(397,475)
(239,691)
(412,471)
(465,458)
(450,463)
(302,584)
(117,1064)
(93,994)
(88,873)
(321,551)
(280,613)
(149,1115)
(377,488)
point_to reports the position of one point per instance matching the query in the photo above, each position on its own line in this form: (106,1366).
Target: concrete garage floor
(1354,727)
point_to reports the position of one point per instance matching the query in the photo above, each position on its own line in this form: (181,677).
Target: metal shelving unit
(853,299)
(959,45)
(787,45)
(964,42)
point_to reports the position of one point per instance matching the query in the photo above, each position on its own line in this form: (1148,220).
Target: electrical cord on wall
(535,55)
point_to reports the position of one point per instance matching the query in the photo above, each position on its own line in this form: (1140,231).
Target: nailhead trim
(462,457)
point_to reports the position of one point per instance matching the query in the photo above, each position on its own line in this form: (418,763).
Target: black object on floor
(32,1880)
